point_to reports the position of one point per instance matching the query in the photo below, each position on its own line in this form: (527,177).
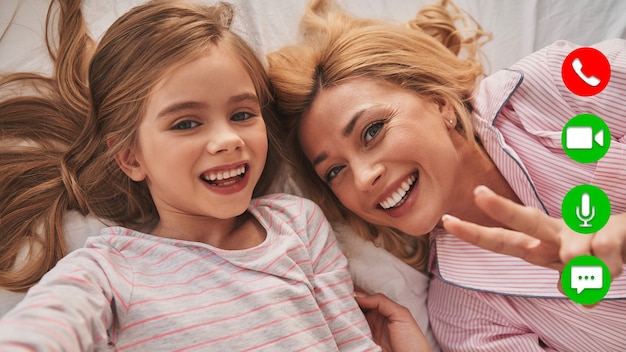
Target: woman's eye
(372,131)
(332,173)
(241,116)
(185,125)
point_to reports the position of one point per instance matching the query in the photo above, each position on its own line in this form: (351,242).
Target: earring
(451,121)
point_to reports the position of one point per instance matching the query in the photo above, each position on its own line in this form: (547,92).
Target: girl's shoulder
(283,202)
(121,239)
(295,210)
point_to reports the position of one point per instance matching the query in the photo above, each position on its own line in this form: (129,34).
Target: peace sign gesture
(538,238)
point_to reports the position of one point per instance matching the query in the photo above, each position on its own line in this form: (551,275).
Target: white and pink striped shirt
(129,291)
(482,301)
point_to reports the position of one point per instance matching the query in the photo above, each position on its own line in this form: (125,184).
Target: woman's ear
(447,113)
(127,161)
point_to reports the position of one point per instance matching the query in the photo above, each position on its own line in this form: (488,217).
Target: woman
(391,129)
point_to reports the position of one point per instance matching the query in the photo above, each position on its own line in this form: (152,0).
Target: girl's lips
(224,168)
(226,180)
(226,174)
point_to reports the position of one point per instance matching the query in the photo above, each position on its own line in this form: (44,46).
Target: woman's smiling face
(386,153)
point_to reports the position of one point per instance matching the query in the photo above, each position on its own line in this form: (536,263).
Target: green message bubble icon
(586,209)
(586,279)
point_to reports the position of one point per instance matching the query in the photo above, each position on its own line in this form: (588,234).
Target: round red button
(586,71)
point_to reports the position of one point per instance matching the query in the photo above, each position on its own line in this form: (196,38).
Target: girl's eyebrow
(178,107)
(189,105)
(251,97)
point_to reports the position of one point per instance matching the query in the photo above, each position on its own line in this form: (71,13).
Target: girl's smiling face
(202,144)
(386,153)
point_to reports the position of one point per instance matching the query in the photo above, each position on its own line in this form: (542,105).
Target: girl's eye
(185,125)
(241,116)
(332,173)
(372,131)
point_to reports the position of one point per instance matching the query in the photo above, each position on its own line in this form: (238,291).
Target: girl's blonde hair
(59,135)
(428,55)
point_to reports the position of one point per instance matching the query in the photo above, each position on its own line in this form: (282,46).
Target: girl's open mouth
(226,177)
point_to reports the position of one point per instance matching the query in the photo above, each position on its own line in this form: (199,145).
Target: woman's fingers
(393,326)
(522,218)
(573,245)
(538,238)
(505,241)
(384,305)
(609,244)
(495,239)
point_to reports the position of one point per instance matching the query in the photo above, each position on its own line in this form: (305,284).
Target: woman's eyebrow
(346,133)
(350,126)
(318,159)
(355,118)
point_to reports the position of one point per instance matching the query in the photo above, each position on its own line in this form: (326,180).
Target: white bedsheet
(518,27)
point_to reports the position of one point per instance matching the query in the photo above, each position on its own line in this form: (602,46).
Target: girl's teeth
(225,174)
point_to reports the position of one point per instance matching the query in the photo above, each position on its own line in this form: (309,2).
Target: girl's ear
(128,162)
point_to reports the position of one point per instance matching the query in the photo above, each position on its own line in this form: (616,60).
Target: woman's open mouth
(401,194)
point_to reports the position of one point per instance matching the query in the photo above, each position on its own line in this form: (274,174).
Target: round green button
(586,279)
(586,138)
(586,209)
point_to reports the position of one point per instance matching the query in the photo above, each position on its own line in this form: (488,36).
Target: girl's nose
(224,139)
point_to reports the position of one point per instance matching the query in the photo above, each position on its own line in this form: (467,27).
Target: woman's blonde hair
(428,55)
(59,135)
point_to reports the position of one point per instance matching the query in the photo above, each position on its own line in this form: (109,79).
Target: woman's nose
(367,175)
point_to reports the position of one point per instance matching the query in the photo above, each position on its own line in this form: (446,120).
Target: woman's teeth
(397,198)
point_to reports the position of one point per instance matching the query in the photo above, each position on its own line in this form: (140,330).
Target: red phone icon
(586,71)
(578,68)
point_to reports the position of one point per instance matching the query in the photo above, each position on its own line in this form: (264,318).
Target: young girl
(171,136)
(390,129)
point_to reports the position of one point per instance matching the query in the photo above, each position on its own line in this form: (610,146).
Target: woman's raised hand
(538,238)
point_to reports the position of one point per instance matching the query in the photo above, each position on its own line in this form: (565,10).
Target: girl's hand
(392,325)
(538,238)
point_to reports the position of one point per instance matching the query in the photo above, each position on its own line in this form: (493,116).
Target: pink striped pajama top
(130,291)
(482,301)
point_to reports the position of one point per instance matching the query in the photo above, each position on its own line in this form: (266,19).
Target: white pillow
(377,271)
(78,228)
